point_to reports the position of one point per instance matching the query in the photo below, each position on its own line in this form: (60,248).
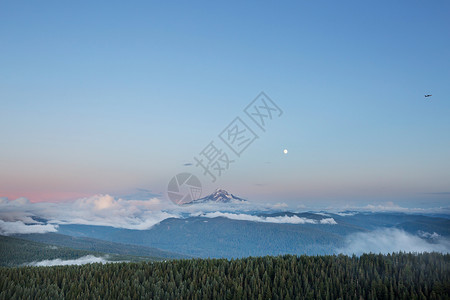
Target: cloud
(139,214)
(19,227)
(109,211)
(428,235)
(322,214)
(346,214)
(390,240)
(328,221)
(106,210)
(386,207)
(96,210)
(234,206)
(279,205)
(280,219)
(88,259)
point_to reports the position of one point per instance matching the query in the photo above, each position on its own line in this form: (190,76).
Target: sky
(108,97)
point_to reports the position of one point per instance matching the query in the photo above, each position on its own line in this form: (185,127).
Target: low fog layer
(280,219)
(390,240)
(97,210)
(9,228)
(88,259)
(19,216)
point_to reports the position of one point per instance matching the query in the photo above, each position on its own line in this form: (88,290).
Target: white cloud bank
(349,210)
(346,214)
(428,235)
(19,216)
(390,240)
(19,227)
(280,219)
(88,259)
(105,210)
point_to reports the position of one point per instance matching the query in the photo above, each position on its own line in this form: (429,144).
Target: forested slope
(90,244)
(16,251)
(398,276)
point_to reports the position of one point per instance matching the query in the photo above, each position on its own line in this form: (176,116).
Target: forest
(370,276)
(17,252)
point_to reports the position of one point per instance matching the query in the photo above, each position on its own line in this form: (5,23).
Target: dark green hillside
(398,276)
(90,244)
(16,251)
(222,237)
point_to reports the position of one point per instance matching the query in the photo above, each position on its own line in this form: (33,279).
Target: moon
(285,151)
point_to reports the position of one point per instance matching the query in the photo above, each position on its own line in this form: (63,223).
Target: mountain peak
(218,196)
(221,192)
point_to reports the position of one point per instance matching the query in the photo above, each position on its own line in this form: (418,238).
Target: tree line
(395,276)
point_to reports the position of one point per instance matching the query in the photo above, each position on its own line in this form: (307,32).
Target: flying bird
(426,96)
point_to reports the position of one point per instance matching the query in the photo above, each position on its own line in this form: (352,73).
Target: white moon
(285,151)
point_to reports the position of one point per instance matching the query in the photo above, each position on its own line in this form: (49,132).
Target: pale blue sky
(110,96)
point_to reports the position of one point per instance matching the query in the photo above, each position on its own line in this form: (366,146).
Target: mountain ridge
(218,196)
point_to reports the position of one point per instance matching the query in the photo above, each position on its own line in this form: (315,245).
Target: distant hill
(223,237)
(15,251)
(233,235)
(27,248)
(96,245)
(219,196)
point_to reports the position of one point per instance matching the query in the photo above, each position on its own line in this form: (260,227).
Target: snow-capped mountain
(219,196)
